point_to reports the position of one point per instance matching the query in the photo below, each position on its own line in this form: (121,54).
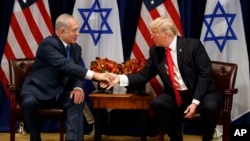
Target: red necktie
(170,65)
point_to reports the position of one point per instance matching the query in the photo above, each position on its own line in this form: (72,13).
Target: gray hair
(62,21)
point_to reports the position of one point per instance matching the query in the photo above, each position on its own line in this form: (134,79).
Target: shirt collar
(65,44)
(173,44)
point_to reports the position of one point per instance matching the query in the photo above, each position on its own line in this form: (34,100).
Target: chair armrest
(229,92)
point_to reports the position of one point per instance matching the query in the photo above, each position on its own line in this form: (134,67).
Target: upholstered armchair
(18,70)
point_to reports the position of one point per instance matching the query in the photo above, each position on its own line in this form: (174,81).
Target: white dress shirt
(180,83)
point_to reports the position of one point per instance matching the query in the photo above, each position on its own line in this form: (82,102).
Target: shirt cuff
(123,80)
(195,101)
(89,75)
(78,88)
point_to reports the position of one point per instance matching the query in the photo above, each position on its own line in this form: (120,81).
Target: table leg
(98,124)
(143,124)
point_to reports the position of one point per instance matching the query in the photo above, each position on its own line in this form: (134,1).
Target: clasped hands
(107,80)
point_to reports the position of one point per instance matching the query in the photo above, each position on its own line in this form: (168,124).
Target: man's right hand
(115,80)
(103,77)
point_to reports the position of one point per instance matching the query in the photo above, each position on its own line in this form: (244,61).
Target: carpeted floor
(55,137)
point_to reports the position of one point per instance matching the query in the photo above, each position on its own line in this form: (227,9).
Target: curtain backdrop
(191,11)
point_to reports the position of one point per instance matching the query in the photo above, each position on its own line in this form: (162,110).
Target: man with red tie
(186,72)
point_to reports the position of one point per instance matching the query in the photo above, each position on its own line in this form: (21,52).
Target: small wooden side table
(128,101)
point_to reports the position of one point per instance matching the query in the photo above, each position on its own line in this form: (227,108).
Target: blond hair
(164,25)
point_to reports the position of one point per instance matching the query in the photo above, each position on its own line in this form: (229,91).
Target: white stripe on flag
(228,28)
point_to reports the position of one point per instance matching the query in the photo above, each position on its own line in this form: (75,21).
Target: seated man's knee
(155,103)
(29,101)
(209,110)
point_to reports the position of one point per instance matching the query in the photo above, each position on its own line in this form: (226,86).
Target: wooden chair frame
(18,70)
(224,75)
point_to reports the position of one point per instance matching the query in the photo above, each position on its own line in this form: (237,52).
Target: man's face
(70,34)
(158,37)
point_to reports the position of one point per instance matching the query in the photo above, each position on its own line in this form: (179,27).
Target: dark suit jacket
(194,64)
(52,71)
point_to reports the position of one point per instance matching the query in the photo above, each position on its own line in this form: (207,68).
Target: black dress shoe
(175,137)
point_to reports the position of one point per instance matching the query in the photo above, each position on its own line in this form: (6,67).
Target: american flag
(30,23)
(150,10)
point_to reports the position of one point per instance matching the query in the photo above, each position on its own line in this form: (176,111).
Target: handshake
(110,78)
(107,80)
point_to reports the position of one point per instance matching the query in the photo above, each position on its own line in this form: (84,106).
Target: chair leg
(12,128)
(160,136)
(61,130)
(226,128)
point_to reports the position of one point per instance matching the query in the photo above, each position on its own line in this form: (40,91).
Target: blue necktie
(68,57)
(68,52)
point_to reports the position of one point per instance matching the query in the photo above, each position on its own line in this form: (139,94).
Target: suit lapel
(161,59)
(73,52)
(60,44)
(180,52)
(180,57)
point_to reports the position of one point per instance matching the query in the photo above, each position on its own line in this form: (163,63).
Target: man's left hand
(191,111)
(77,95)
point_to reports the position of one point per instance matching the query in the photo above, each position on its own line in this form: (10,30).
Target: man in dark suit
(192,80)
(57,78)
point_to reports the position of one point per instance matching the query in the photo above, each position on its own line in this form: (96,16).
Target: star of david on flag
(224,40)
(99,29)
(218,20)
(90,28)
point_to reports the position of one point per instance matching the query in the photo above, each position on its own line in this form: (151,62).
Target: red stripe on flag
(32,25)
(154,13)
(137,52)
(8,52)
(174,15)
(145,32)
(20,37)
(45,15)
(156,86)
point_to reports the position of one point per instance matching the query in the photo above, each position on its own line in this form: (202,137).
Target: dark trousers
(74,117)
(170,116)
